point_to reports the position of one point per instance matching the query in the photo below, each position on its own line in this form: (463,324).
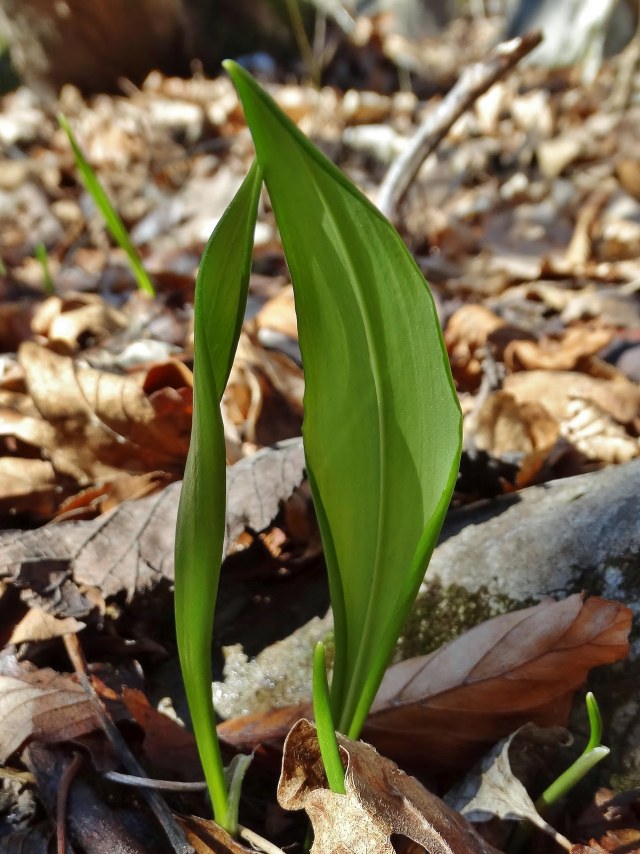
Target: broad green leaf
(382,425)
(220,300)
(109,213)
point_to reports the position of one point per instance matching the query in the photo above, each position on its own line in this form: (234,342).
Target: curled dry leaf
(594,432)
(90,423)
(466,333)
(501,793)
(379,800)
(562,354)
(67,321)
(503,425)
(207,837)
(443,710)
(38,625)
(40,704)
(555,389)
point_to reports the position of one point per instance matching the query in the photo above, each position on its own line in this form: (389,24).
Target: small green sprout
(109,213)
(43,259)
(329,749)
(593,753)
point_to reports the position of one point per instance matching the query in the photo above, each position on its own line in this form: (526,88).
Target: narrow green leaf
(325,727)
(109,213)
(220,300)
(382,426)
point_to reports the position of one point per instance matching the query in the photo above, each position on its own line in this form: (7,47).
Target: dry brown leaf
(66,320)
(38,625)
(595,434)
(279,314)
(467,332)
(104,497)
(380,800)
(166,744)
(501,793)
(444,709)
(207,837)
(42,705)
(555,389)
(97,422)
(503,425)
(131,548)
(561,354)
(27,485)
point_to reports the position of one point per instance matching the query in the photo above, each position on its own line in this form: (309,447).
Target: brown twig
(61,801)
(473,82)
(173,831)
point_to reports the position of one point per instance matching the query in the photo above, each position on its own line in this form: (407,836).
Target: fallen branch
(473,82)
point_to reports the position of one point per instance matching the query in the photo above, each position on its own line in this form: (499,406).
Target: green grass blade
(109,214)
(382,425)
(220,300)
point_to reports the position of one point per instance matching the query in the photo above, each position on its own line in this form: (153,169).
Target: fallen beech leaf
(503,425)
(40,704)
(443,710)
(167,744)
(279,314)
(595,433)
(207,837)
(561,354)
(38,625)
(101,498)
(380,800)
(555,389)
(502,794)
(66,320)
(130,549)
(103,421)
(27,485)
(467,332)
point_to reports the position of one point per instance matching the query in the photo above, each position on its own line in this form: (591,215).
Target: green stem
(329,749)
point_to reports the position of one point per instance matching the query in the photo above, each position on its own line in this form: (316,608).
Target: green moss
(442,613)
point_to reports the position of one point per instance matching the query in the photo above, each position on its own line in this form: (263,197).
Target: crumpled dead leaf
(130,549)
(555,389)
(65,321)
(104,421)
(38,625)
(561,354)
(40,704)
(380,800)
(501,792)
(503,425)
(514,668)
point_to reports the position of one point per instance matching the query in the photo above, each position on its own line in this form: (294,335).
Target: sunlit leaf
(382,421)
(221,295)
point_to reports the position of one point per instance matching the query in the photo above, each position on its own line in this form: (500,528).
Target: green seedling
(382,424)
(109,213)
(43,259)
(327,741)
(593,753)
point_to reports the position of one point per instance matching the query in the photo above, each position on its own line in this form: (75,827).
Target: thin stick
(258,841)
(61,801)
(148,783)
(173,831)
(473,82)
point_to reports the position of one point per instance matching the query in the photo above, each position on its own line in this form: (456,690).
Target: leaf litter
(525,222)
